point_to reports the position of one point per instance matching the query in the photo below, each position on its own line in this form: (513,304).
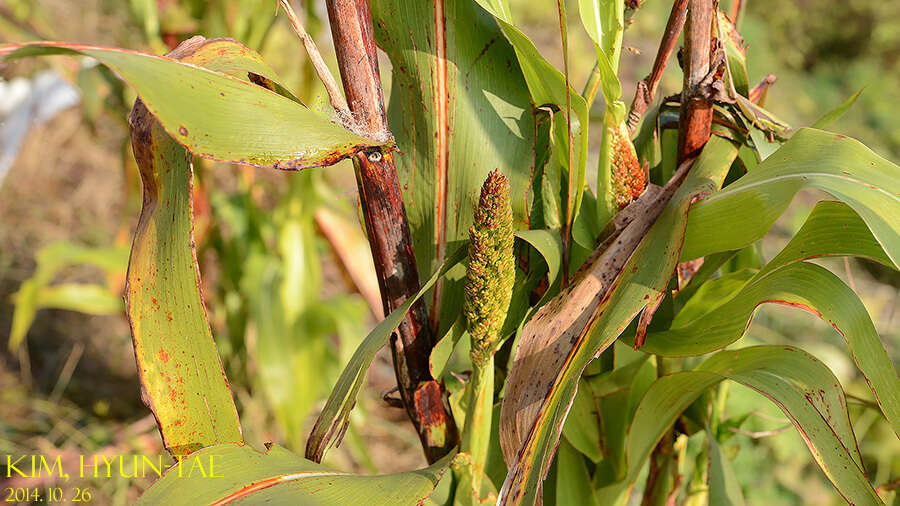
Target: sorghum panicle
(490,272)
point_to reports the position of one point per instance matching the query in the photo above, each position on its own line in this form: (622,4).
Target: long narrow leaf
(216,115)
(831,229)
(724,489)
(231,474)
(810,159)
(181,375)
(332,422)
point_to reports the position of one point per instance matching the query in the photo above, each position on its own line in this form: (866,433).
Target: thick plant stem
(696,105)
(388,229)
(477,434)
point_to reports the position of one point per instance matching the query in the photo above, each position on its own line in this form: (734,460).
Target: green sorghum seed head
(491,269)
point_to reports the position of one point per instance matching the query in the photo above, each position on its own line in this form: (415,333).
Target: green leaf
(181,375)
(548,87)
(603,20)
(831,229)
(218,116)
(573,481)
(83,298)
(36,292)
(804,286)
(810,159)
(836,113)
(712,294)
(582,427)
(455,116)
(443,349)
(549,245)
(229,473)
(800,385)
(335,416)
(724,489)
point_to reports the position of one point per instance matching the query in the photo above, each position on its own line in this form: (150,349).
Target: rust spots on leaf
(182,131)
(163,356)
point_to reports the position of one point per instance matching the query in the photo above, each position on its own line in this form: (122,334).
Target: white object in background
(25,102)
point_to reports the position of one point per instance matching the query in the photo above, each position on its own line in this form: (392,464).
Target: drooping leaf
(231,473)
(335,416)
(831,229)
(216,115)
(179,367)
(805,286)
(180,370)
(804,388)
(810,159)
(548,244)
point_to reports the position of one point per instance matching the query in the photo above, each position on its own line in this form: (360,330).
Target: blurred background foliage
(287,276)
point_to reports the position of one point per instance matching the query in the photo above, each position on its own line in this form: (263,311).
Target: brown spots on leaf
(182,131)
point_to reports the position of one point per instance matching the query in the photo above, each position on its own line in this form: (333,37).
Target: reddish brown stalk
(388,228)
(695,117)
(646,88)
